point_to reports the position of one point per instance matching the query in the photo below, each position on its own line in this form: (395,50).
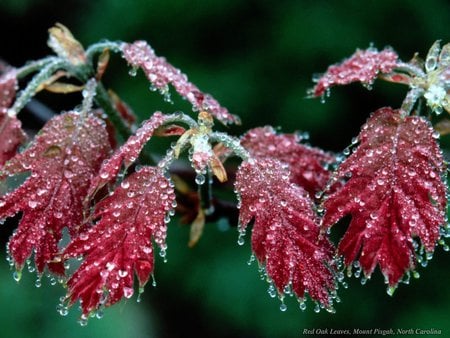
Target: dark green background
(257,58)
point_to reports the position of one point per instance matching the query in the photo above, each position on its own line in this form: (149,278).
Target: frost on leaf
(11,133)
(62,160)
(120,243)
(160,73)
(307,164)
(395,193)
(285,235)
(127,153)
(363,66)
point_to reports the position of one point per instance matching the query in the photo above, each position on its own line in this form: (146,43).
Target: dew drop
(317,308)
(123,273)
(241,240)
(104,175)
(283,307)
(32,204)
(17,276)
(83,321)
(302,306)
(128,292)
(133,71)
(390,290)
(200,179)
(99,314)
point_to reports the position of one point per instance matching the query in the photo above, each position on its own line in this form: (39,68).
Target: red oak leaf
(395,192)
(285,235)
(11,133)
(363,66)
(305,163)
(62,159)
(127,153)
(120,243)
(160,73)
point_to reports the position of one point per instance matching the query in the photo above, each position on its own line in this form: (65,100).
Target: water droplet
(241,240)
(123,273)
(104,175)
(125,184)
(128,292)
(32,204)
(283,307)
(133,71)
(390,290)
(17,275)
(302,306)
(200,179)
(99,314)
(83,321)
(38,282)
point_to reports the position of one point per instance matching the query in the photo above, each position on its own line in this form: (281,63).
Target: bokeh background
(257,58)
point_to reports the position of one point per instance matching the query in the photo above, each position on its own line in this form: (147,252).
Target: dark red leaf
(160,73)
(127,153)
(11,133)
(307,164)
(363,66)
(120,243)
(285,235)
(395,193)
(62,160)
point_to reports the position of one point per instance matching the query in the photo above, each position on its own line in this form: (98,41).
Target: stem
(103,100)
(181,117)
(100,47)
(231,142)
(410,100)
(34,66)
(411,69)
(26,94)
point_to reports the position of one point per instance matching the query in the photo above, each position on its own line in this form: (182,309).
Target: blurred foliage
(257,58)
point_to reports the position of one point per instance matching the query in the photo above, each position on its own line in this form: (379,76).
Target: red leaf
(62,159)
(120,243)
(285,235)
(11,133)
(305,163)
(160,73)
(363,66)
(395,193)
(127,153)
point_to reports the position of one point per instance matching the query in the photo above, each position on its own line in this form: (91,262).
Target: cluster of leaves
(85,197)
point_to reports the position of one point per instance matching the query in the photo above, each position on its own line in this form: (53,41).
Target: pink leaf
(395,193)
(363,66)
(127,154)
(285,235)
(120,243)
(11,133)
(62,160)
(307,164)
(160,73)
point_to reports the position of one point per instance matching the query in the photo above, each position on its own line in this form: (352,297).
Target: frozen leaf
(11,133)
(119,244)
(285,234)
(62,160)
(394,193)
(307,164)
(363,66)
(161,73)
(127,153)
(65,45)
